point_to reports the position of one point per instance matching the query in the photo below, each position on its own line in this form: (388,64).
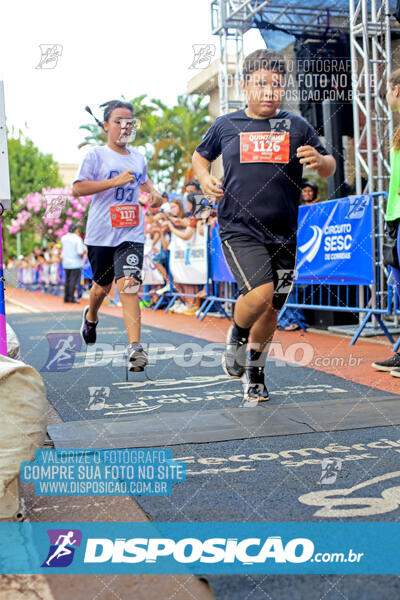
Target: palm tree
(179,131)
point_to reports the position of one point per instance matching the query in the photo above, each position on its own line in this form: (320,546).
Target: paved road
(278,478)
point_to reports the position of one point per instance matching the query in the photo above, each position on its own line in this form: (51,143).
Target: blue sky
(108,50)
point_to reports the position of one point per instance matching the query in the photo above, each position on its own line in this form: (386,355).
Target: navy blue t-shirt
(261,199)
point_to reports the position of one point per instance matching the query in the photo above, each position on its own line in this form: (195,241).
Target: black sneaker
(137,357)
(387,365)
(88,330)
(254,388)
(234,356)
(395,372)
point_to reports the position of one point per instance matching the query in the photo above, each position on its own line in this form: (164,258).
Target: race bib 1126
(264,146)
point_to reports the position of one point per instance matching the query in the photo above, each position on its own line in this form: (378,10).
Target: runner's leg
(97,295)
(101,260)
(130,310)
(128,264)
(251,307)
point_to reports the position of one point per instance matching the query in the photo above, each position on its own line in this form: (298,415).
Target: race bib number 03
(124,215)
(264,146)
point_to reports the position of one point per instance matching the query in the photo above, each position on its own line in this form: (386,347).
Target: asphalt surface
(185,372)
(282,478)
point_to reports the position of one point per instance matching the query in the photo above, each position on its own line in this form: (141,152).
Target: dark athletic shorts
(253,264)
(125,260)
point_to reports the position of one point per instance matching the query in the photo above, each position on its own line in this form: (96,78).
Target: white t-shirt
(72,247)
(102,163)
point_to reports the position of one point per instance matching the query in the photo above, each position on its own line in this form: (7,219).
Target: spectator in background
(191,187)
(392,217)
(73,251)
(160,260)
(165,207)
(184,228)
(181,225)
(309,192)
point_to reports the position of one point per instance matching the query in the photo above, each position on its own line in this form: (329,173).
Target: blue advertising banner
(200,548)
(219,269)
(334,242)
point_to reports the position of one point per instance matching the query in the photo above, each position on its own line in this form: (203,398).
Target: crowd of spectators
(42,269)
(174,218)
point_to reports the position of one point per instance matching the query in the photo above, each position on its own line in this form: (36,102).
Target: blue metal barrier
(320,294)
(223,286)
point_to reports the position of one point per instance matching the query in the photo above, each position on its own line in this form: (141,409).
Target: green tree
(178,132)
(30,171)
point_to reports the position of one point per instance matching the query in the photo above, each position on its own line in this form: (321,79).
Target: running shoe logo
(313,244)
(62,550)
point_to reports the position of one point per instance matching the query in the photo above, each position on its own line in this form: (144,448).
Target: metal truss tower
(370,41)
(368,24)
(231,19)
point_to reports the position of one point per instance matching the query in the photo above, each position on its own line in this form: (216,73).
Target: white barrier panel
(150,274)
(188,259)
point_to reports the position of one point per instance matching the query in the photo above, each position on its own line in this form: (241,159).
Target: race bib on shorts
(264,146)
(124,215)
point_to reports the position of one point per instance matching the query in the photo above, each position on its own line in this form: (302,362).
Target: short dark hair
(112,105)
(263,59)
(311,184)
(193,182)
(72,228)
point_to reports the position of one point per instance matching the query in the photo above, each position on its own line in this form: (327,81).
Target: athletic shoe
(234,356)
(395,372)
(387,365)
(176,305)
(88,329)
(163,290)
(179,308)
(254,388)
(144,304)
(137,357)
(190,311)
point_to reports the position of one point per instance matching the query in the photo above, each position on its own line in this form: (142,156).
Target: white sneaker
(175,305)
(163,290)
(180,308)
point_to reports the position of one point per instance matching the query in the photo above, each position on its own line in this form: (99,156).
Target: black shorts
(253,264)
(125,260)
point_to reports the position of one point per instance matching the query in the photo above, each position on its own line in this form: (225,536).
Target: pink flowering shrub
(50,212)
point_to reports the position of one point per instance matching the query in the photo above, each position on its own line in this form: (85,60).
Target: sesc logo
(313,244)
(190,550)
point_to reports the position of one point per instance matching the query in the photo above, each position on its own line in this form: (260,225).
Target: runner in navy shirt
(263,151)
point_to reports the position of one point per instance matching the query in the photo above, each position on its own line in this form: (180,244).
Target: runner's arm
(156,198)
(325,165)
(209,184)
(88,188)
